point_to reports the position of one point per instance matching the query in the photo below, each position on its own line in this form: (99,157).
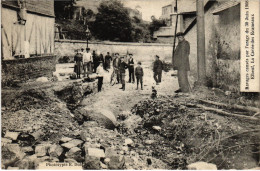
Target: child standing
(100,75)
(139,73)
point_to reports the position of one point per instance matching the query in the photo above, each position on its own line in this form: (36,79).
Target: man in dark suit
(122,67)
(131,68)
(181,63)
(157,69)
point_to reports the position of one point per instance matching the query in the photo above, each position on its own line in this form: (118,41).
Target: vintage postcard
(130,85)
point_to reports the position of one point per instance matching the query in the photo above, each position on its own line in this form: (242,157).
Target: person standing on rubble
(181,63)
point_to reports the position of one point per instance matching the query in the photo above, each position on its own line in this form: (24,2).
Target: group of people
(89,62)
(120,64)
(95,63)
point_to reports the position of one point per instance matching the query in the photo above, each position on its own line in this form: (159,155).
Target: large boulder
(103,117)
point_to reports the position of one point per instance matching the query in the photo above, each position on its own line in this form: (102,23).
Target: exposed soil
(168,132)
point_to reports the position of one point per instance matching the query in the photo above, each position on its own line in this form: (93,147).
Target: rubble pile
(93,148)
(175,131)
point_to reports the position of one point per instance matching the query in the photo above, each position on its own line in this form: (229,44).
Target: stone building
(27,31)
(222,38)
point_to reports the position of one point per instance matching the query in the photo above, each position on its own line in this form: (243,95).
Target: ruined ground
(43,122)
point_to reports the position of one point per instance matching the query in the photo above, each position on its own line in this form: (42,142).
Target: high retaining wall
(141,51)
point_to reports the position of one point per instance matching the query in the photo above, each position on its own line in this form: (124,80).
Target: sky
(148,7)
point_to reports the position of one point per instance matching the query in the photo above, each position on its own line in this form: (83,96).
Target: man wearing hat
(131,69)
(116,66)
(122,67)
(157,69)
(87,61)
(181,63)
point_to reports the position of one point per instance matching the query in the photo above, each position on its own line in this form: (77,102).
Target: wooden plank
(219,111)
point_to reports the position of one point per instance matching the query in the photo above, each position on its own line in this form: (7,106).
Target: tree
(156,24)
(64,9)
(113,22)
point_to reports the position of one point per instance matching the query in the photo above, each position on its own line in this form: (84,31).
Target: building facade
(27,31)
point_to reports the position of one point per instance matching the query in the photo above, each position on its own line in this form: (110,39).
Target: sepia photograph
(130,85)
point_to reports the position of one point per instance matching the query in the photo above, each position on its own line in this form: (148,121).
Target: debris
(27,149)
(202,166)
(72,143)
(41,149)
(92,163)
(128,141)
(103,166)
(5,140)
(75,153)
(65,139)
(42,79)
(149,142)
(116,162)
(95,152)
(55,150)
(157,128)
(12,135)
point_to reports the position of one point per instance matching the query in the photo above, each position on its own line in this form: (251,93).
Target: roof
(42,7)
(225,6)
(188,6)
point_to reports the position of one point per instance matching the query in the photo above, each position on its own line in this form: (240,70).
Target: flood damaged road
(116,129)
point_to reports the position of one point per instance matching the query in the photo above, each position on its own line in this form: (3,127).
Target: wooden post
(175,31)
(201,65)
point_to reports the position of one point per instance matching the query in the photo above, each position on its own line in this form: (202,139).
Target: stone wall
(222,39)
(141,51)
(20,70)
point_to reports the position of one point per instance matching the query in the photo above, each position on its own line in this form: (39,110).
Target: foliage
(64,9)
(156,24)
(113,22)
(75,29)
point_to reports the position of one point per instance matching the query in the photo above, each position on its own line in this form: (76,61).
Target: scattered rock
(202,166)
(42,79)
(92,163)
(157,128)
(256,168)
(107,160)
(95,152)
(128,141)
(72,143)
(116,162)
(25,164)
(38,134)
(55,150)
(103,117)
(12,135)
(103,166)
(149,142)
(27,149)
(75,153)
(41,149)
(65,139)
(5,141)
(90,124)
